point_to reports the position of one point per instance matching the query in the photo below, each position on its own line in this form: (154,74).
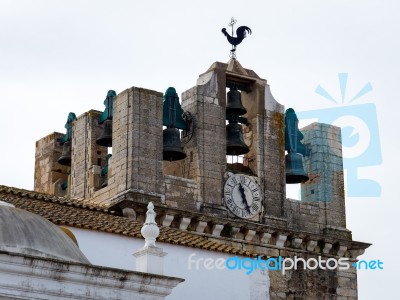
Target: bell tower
(262,131)
(214,161)
(186,166)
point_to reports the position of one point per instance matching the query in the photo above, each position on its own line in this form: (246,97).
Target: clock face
(242,196)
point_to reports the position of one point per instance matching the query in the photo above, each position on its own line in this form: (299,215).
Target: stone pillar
(273,156)
(85,154)
(206,151)
(325,169)
(137,142)
(47,170)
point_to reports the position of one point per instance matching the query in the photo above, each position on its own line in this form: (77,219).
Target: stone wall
(325,168)
(180,193)
(86,155)
(313,284)
(137,151)
(322,208)
(273,155)
(136,163)
(49,174)
(206,150)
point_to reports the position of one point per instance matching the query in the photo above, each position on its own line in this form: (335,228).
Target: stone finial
(149,259)
(150,230)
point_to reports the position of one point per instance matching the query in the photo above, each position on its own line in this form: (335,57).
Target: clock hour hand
(244,200)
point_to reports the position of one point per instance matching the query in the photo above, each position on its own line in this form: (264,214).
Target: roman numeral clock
(242,195)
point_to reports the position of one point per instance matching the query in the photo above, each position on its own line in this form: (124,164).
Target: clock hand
(244,200)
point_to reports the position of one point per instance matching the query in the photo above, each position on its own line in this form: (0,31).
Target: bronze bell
(172,147)
(65,158)
(235,144)
(234,104)
(294,168)
(105,138)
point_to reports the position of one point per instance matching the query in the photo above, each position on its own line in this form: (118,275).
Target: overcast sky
(62,56)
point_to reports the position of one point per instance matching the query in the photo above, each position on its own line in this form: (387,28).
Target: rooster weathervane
(240,35)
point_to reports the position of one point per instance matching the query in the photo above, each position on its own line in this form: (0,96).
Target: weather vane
(240,35)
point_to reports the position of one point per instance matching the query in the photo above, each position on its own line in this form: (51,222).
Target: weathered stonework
(49,174)
(325,166)
(188,194)
(87,156)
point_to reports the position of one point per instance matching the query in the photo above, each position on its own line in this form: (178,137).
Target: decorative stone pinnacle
(150,230)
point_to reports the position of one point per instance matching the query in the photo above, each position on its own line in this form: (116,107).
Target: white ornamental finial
(150,229)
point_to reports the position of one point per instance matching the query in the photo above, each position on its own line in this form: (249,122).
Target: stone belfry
(202,186)
(136,170)
(207,150)
(215,161)
(240,201)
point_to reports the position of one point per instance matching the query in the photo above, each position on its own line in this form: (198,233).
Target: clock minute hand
(244,200)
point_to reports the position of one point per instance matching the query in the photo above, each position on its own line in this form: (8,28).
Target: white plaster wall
(115,251)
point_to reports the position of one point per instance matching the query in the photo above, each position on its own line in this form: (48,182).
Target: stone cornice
(56,279)
(264,239)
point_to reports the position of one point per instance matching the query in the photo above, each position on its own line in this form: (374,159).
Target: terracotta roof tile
(70,212)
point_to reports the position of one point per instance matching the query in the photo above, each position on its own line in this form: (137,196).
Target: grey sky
(62,56)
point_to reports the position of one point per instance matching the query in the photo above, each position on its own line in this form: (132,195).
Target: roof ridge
(51,198)
(118,225)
